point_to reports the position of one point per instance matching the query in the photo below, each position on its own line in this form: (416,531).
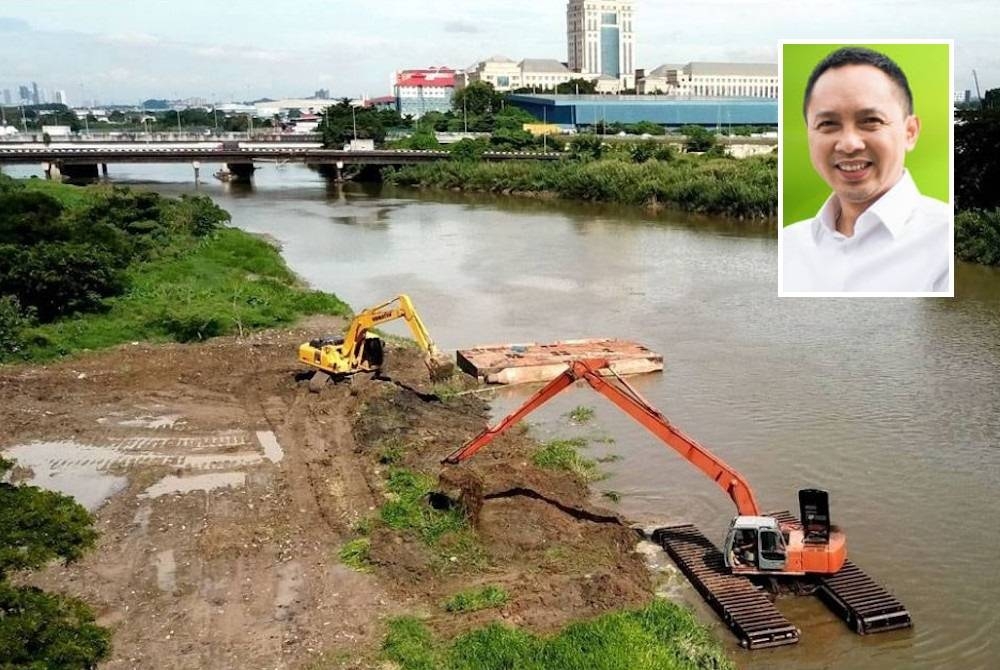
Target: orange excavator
(756,544)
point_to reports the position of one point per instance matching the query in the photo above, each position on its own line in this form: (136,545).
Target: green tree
(340,121)
(478,98)
(577,85)
(698,138)
(977,161)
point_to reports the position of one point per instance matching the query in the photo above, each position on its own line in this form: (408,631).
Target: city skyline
(184,49)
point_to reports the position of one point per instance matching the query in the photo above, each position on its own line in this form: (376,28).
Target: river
(892,405)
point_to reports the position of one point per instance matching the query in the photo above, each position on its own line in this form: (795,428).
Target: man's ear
(912,127)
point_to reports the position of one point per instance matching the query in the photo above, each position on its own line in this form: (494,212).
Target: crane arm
(628,400)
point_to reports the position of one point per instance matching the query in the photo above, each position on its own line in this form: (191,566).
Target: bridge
(81,160)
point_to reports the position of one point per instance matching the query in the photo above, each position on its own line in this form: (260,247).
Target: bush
(60,278)
(698,139)
(977,236)
(12,323)
(586,147)
(40,630)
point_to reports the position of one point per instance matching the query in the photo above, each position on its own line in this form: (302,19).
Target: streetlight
(178,121)
(354,121)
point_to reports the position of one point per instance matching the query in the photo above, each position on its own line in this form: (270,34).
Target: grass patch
(658,636)
(356,554)
(447,531)
(391,451)
(564,455)
(228,283)
(581,414)
(476,599)
(408,508)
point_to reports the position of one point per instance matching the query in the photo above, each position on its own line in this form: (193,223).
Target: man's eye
(872,121)
(825,125)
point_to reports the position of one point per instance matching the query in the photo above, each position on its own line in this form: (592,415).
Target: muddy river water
(892,405)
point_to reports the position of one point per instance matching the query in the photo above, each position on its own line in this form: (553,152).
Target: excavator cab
(755,544)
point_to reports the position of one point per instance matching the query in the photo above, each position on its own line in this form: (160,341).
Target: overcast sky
(126,51)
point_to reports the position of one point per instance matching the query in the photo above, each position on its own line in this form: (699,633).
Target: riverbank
(247,522)
(92,267)
(744,188)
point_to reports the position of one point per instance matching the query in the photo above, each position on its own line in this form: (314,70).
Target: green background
(926,68)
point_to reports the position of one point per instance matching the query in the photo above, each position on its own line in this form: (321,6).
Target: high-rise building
(599,37)
(24,94)
(61,97)
(34,94)
(6,96)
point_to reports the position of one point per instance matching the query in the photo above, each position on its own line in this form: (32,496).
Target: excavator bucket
(439,366)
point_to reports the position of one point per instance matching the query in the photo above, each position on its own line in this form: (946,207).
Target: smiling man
(876,233)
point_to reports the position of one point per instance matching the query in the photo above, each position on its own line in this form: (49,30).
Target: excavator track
(744,607)
(856,598)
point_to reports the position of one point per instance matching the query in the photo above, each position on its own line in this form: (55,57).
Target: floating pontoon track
(855,597)
(745,608)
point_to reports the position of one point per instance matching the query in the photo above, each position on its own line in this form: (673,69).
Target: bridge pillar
(241,171)
(79,170)
(104,170)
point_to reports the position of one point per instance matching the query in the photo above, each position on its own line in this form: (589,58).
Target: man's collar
(893,209)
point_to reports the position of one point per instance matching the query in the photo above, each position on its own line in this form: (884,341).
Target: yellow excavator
(360,350)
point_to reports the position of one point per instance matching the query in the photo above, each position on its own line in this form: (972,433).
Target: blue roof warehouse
(589,110)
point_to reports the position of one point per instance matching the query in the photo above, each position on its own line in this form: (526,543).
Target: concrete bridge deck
(246,152)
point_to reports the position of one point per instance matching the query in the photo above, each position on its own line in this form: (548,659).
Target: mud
(235,488)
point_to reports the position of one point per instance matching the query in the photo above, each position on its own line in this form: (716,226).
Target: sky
(124,51)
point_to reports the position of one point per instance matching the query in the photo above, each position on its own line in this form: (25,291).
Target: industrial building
(669,111)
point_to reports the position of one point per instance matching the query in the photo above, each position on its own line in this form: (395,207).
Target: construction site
(226,478)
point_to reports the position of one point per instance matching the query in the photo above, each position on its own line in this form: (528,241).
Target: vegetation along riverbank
(85,268)
(633,175)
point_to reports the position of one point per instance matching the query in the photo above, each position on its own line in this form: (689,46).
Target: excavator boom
(360,350)
(628,400)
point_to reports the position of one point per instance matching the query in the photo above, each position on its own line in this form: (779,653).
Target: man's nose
(850,141)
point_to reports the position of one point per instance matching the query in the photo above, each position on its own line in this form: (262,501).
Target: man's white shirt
(901,243)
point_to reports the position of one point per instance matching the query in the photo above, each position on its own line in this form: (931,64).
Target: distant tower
(599,37)
(6,96)
(34,94)
(61,97)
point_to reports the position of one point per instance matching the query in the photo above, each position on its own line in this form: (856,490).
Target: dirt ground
(232,489)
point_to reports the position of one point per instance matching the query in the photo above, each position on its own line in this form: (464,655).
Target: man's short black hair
(860,56)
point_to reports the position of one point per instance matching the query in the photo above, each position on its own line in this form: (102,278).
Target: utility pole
(354,121)
(178,121)
(465,110)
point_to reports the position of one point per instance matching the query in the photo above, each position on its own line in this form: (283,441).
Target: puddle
(141,519)
(272,450)
(290,579)
(86,481)
(204,482)
(163,421)
(166,570)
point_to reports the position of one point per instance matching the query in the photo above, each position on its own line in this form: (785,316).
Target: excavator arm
(400,307)
(628,400)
